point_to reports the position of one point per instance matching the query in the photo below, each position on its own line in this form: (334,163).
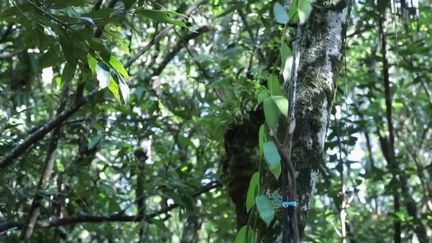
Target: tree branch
(180,44)
(44,129)
(45,178)
(104,219)
(47,127)
(159,36)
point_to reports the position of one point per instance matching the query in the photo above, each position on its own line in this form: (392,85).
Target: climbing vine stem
(289,185)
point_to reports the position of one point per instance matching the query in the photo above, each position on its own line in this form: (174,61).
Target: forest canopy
(215,121)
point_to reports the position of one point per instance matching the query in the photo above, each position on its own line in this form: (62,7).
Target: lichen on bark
(321,56)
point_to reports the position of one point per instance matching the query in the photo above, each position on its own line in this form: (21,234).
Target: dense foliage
(140,121)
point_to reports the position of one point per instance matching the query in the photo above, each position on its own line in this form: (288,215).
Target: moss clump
(328,3)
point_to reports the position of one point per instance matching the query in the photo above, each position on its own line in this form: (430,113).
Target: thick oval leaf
(265,209)
(304,9)
(245,235)
(242,235)
(274,85)
(252,191)
(271,113)
(272,157)
(293,16)
(285,51)
(282,104)
(261,139)
(262,95)
(280,13)
(286,60)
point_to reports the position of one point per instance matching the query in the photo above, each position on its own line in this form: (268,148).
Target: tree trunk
(321,55)
(320,60)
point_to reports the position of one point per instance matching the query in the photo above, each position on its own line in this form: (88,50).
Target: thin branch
(156,38)
(44,129)
(249,30)
(180,44)
(159,36)
(46,175)
(105,219)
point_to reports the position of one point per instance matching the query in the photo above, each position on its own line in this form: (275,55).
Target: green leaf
(273,159)
(68,72)
(118,66)
(274,85)
(68,49)
(100,49)
(400,216)
(285,52)
(286,60)
(50,58)
(293,16)
(69,3)
(261,138)
(262,95)
(103,75)
(113,87)
(280,13)
(60,166)
(265,209)
(271,113)
(246,235)
(185,142)
(242,235)
(304,9)
(281,103)
(92,62)
(162,16)
(252,191)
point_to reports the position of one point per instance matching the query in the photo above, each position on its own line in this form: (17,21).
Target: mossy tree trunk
(320,60)
(322,51)
(321,55)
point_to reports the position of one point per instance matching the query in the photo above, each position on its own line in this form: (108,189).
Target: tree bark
(322,51)
(321,57)
(321,54)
